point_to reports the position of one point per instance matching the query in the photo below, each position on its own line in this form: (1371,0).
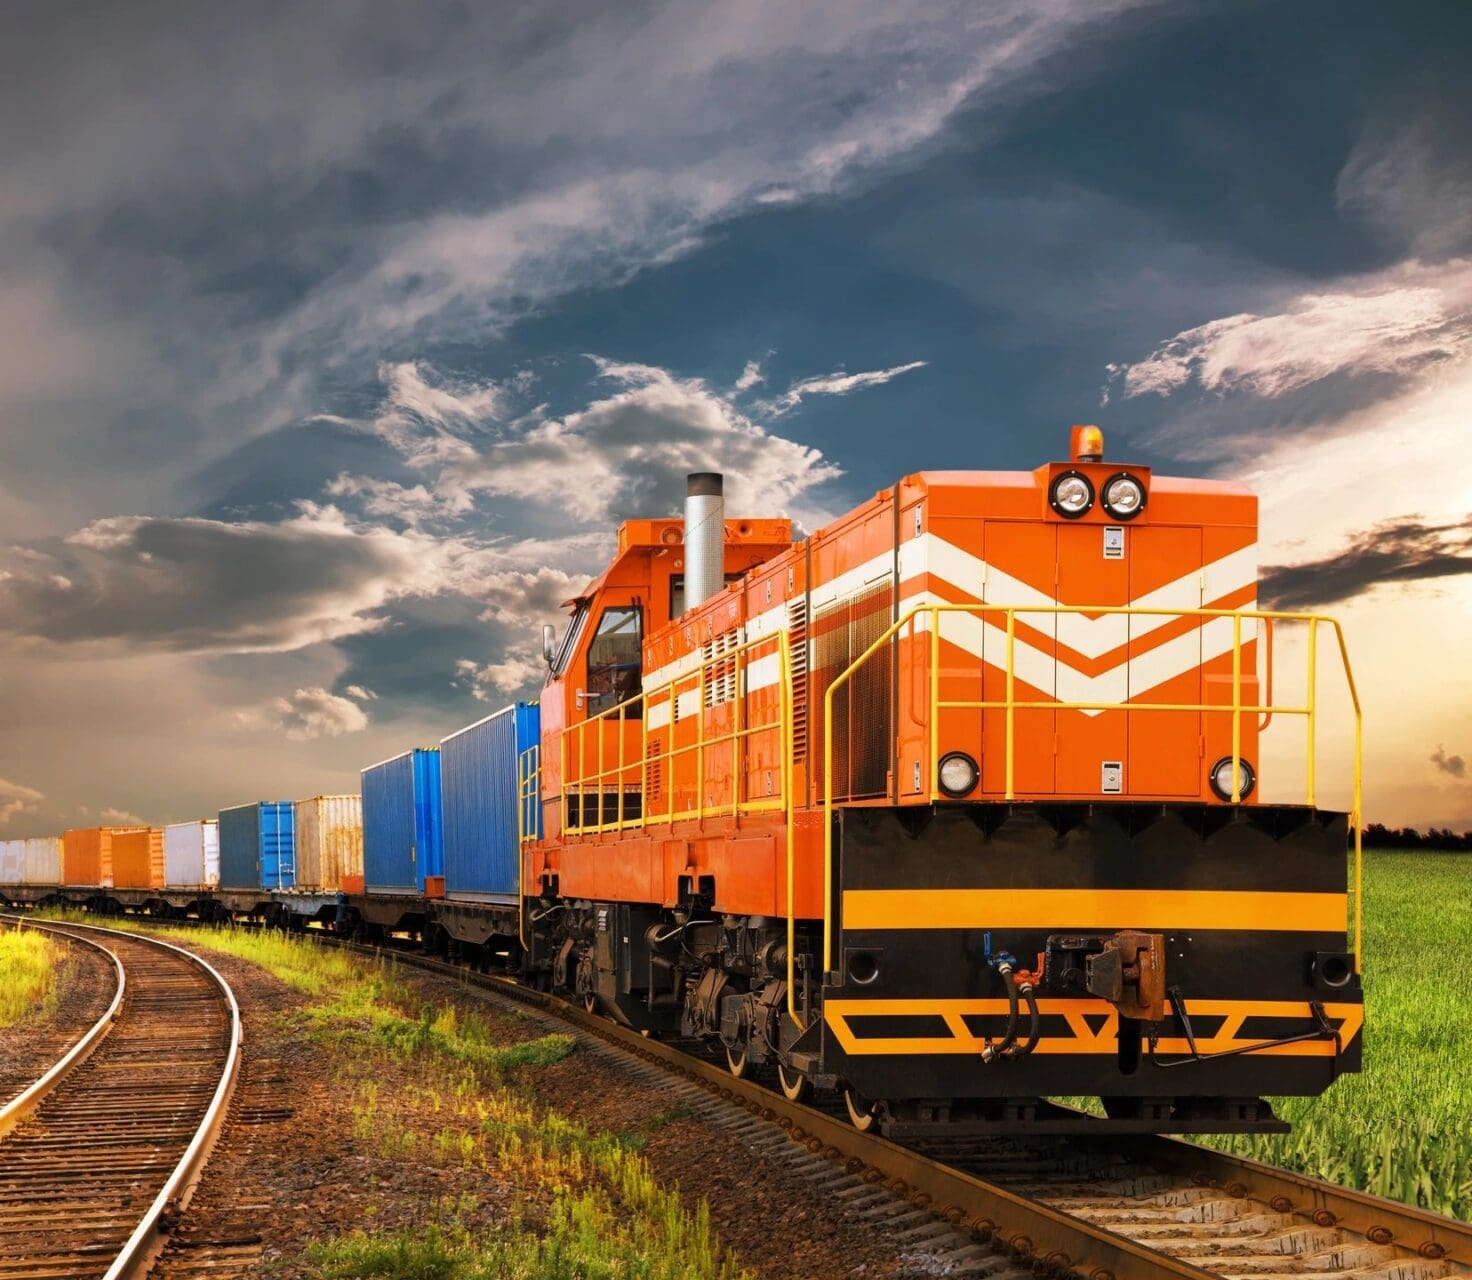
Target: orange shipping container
(138,858)
(88,854)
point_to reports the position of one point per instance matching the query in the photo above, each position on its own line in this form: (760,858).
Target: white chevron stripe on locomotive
(970,577)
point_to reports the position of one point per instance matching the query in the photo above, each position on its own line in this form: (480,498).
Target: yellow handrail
(1010,705)
(669,692)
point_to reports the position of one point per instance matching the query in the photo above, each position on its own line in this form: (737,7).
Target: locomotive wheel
(738,1060)
(860,1112)
(795,1085)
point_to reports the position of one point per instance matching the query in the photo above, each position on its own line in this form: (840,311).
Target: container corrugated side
(12,861)
(401,822)
(329,841)
(186,849)
(86,857)
(138,858)
(43,860)
(479,775)
(258,845)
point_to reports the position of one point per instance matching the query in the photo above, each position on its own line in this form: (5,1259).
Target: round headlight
(1221,778)
(1124,496)
(957,774)
(1071,494)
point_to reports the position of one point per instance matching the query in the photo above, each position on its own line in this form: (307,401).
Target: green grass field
(1403,1127)
(28,963)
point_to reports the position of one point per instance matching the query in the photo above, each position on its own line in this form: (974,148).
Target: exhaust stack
(705,537)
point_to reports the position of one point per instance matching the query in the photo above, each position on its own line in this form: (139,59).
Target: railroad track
(101,1154)
(1101,1208)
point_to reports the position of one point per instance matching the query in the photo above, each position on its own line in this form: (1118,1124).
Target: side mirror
(549,643)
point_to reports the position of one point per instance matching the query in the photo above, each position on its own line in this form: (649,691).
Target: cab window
(614,661)
(571,634)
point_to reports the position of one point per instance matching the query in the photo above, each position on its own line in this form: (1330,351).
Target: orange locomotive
(952,806)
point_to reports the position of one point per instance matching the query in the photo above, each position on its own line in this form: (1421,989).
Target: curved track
(1102,1208)
(116,1136)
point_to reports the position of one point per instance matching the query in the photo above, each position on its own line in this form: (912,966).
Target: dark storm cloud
(1395,551)
(1456,766)
(201,585)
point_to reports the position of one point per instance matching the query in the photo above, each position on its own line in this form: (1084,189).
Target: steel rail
(139,1252)
(24,1104)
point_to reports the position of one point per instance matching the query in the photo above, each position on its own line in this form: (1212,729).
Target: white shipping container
(12,861)
(43,860)
(192,854)
(329,841)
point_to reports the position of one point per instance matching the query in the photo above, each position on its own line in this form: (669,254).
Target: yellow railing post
(700,742)
(1236,708)
(1312,702)
(785,737)
(1011,704)
(934,710)
(738,745)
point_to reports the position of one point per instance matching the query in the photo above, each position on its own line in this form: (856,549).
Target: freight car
(952,807)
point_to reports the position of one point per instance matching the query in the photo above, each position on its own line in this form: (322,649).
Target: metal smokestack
(705,537)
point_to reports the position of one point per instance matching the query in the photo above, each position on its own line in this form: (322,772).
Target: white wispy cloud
(1400,322)
(837,383)
(318,713)
(17,799)
(115,817)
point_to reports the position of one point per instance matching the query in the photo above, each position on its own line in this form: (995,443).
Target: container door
(1021,564)
(1093,569)
(1165,663)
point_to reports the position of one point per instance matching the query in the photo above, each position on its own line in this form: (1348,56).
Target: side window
(614,661)
(571,634)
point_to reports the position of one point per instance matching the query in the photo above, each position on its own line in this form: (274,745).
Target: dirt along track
(96,1172)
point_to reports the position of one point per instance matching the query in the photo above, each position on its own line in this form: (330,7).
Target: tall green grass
(28,964)
(1403,1127)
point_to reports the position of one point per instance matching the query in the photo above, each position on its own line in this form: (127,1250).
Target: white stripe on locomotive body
(986,639)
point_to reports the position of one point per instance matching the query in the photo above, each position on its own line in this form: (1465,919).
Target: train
(947,810)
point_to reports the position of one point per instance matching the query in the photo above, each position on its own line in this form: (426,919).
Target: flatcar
(951,808)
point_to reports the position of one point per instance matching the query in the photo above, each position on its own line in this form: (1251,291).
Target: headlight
(1124,496)
(1221,778)
(1071,494)
(957,774)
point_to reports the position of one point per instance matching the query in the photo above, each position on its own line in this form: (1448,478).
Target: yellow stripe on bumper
(1081,1037)
(1056,909)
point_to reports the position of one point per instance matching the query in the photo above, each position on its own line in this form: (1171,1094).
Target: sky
(338,338)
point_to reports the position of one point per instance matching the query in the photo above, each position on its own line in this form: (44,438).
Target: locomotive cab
(954,806)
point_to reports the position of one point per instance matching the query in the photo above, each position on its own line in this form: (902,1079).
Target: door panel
(1092,745)
(1165,663)
(1021,563)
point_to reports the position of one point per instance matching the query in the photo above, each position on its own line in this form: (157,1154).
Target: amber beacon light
(1087,445)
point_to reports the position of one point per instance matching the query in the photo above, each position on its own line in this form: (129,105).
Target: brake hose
(993,1051)
(1035,1021)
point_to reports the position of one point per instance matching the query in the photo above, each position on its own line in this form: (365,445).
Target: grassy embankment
(1403,1127)
(28,963)
(593,1209)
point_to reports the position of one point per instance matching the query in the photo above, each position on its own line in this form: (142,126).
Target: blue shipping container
(401,823)
(258,846)
(478,767)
